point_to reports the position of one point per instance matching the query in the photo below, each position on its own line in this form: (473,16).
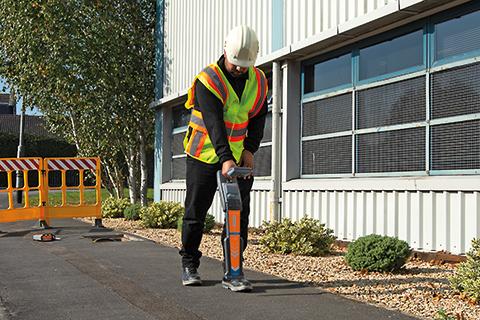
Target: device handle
(239,172)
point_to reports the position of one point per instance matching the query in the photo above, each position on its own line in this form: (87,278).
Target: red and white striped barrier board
(19,164)
(72,164)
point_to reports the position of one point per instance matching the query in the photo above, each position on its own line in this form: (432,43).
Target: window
(263,162)
(328,74)
(455,91)
(391,151)
(327,115)
(456,146)
(397,115)
(180,116)
(391,56)
(391,104)
(327,156)
(180,119)
(457,36)
(263,156)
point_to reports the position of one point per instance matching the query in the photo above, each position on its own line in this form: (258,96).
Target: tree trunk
(107,179)
(118,185)
(111,181)
(74,131)
(143,171)
(115,180)
(132,175)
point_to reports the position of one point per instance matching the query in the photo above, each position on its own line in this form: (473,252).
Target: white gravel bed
(421,289)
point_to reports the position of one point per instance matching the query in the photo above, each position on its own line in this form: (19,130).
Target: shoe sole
(192,283)
(237,288)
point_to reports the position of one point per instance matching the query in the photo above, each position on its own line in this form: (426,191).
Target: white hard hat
(241,46)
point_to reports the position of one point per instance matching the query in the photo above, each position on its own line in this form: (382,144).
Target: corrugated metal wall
(259,205)
(426,220)
(195,31)
(306,18)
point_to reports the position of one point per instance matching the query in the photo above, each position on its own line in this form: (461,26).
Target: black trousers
(201,188)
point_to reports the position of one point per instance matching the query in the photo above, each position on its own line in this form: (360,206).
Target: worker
(228,110)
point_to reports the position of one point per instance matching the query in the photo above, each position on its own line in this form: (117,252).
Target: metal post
(276,144)
(19,180)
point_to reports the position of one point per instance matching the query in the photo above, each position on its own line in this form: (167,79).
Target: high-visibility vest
(236,112)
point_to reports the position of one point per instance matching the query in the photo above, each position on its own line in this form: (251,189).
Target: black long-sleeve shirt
(212,110)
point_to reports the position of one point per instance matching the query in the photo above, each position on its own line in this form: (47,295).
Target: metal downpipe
(275,208)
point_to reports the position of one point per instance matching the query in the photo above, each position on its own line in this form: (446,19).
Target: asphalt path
(76,278)
(3,201)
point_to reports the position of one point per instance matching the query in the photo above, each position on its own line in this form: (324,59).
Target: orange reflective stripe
(236,125)
(196,121)
(236,139)
(197,127)
(214,87)
(220,79)
(191,96)
(188,147)
(216,82)
(261,94)
(200,145)
(197,142)
(236,131)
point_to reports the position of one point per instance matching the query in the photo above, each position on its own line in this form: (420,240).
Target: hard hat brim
(240,63)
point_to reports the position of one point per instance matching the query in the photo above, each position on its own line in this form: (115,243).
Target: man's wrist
(226,158)
(247,150)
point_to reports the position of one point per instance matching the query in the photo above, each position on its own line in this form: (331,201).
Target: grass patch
(73,197)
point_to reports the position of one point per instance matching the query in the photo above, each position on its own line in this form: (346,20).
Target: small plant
(305,237)
(132,212)
(209,223)
(466,279)
(377,253)
(164,214)
(207,227)
(443,315)
(114,208)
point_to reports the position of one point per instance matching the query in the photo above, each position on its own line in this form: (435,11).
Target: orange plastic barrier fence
(86,178)
(9,168)
(66,209)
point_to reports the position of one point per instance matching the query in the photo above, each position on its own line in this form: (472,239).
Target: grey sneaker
(237,285)
(190,277)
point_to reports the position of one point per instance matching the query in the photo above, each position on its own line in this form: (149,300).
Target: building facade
(6,106)
(375,112)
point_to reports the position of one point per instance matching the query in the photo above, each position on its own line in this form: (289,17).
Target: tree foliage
(88,65)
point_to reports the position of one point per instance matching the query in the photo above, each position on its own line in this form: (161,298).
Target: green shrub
(305,237)
(132,212)
(209,223)
(114,208)
(377,253)
(207,227)
(466,279)
(162,214)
